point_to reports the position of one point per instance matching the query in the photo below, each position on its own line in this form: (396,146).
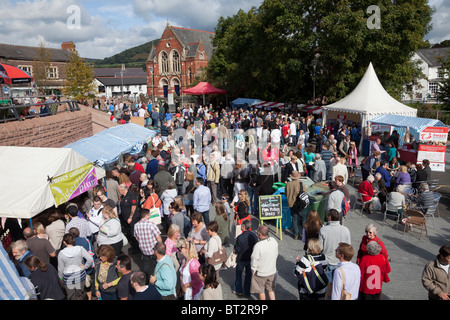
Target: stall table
(407,155)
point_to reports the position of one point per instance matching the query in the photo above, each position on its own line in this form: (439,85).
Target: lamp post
(151,71)
(314,65)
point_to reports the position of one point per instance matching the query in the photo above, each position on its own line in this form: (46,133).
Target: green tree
(79,83)
(41,63)
(267,52)
(443,94)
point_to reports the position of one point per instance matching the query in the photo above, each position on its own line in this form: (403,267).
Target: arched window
(176,67)
(164,62)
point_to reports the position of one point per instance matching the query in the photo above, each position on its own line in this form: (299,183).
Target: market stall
(419,138)
(367,101)
(35,179)
(107,146)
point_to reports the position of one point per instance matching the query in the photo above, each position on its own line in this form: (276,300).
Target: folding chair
(415,218)
(359,200)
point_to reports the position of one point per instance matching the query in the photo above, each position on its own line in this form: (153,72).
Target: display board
(270,207)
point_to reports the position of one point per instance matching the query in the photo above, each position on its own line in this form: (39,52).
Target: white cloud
(199,14)
(108,27)
(441,22)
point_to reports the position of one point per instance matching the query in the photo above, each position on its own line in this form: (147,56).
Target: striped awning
(11,287)
(310,108)
(268,105)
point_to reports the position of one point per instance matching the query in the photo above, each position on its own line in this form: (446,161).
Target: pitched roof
(433,56)
(133,81)
(16,52)
(192,37)
(115,72)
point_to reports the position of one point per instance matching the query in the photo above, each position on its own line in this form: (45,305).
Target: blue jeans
(298,220)
(330,271)
(240,266)
(253,196)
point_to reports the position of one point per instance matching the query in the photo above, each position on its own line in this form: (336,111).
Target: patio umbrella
(204,88)
(15,74)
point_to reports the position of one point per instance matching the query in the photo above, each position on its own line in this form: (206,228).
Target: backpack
(179,175)
(314,280)
(345,206)
(303,198)
(253,177)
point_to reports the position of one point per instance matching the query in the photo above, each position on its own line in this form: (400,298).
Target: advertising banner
(71,184)
(433,146)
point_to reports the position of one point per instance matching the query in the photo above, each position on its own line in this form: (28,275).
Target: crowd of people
(160,204)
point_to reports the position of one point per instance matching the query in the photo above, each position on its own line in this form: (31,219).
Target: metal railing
(14,112)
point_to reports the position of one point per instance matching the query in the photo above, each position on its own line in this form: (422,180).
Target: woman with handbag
(241,209)
(213,250)
(153,202)
(198,235)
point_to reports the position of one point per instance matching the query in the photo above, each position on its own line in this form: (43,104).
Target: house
(118,82)
(430,62)
(23,57)
(180,54)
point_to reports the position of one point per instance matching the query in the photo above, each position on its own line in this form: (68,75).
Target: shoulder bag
(345,295)
(218,257)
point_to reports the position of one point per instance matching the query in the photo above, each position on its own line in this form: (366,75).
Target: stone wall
(47,132)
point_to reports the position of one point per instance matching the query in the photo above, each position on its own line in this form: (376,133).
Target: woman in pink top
(173,234)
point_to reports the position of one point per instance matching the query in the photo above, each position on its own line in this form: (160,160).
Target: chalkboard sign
(270,207)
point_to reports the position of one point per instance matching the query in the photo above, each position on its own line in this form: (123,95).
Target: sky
(102,28)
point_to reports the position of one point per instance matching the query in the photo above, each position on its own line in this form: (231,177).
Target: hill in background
(132,58)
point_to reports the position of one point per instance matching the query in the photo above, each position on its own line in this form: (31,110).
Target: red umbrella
(15,74)
(204,88)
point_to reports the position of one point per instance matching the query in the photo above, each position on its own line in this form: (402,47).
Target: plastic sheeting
(401,123)
(106,146)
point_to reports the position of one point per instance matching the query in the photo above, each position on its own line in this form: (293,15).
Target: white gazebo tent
(367,101)
(25,174)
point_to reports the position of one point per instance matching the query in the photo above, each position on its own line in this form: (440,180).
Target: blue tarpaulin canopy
(106,146)
(244,102)
(401,123)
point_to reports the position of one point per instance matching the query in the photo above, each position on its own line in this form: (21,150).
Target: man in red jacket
(374,271)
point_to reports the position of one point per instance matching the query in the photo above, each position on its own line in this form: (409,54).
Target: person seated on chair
(367,193)
(380,188)
(424,199)
(396,199)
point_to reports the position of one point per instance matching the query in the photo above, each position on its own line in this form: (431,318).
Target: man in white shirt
(293,133)
(95,216)
(264,264)
(340,169)
(330,236)
(347,276)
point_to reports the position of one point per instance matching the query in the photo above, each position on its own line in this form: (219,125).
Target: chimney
(69,45)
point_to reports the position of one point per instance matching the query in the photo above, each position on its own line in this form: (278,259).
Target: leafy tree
(267,52)
(443,94)
(41,63)
(79,83)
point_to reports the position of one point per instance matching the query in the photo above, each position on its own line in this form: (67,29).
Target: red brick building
(180,55)
(23,57)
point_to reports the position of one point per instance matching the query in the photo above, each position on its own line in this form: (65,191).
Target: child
(225,198)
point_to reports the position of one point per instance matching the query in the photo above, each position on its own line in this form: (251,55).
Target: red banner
(433,147)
